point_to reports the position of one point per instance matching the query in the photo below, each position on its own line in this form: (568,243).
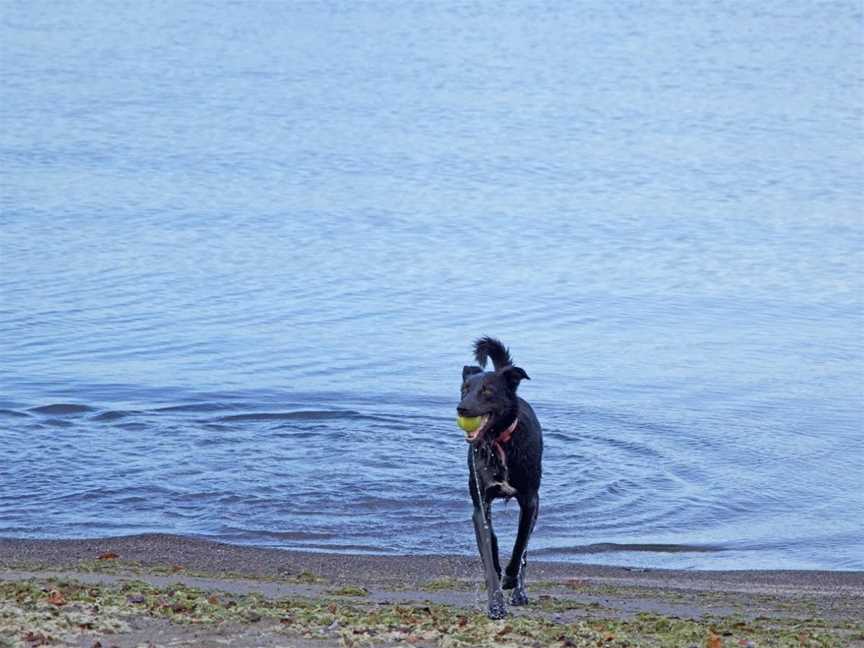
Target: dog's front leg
(514,574)
(483,531)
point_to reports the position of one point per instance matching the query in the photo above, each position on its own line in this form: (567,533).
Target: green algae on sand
(60,612)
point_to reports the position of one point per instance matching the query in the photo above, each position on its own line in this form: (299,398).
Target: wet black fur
(494,393)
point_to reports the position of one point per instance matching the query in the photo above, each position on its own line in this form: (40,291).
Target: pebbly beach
(165,590)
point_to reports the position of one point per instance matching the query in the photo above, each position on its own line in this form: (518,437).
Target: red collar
(504,437)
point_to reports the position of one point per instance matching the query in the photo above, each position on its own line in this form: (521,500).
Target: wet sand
(632,607)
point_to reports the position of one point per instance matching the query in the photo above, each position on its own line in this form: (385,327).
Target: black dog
(503,461)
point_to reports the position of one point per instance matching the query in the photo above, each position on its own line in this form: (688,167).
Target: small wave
(59,409)
(111,415)
(294,434)
(55,422)
(134,426)
(615,547)
(198,407)
(13,413)
(303,415)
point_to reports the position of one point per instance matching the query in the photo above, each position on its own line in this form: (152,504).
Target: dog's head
(490,395)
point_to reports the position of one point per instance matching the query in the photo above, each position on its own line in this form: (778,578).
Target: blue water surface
(245,247)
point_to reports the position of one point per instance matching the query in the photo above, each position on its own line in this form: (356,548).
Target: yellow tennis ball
(468,423)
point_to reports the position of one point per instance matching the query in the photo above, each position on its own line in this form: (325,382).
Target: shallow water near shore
(244,250)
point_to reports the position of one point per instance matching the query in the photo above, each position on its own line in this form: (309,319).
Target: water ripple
(238,306)
(60,409)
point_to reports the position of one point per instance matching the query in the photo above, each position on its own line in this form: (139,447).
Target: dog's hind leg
(514,574)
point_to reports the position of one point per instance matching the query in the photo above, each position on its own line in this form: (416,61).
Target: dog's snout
(461,411)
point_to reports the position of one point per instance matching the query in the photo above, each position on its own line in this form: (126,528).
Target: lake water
(245,248)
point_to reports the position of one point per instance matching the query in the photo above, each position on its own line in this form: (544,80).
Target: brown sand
(564,592)
(213,557)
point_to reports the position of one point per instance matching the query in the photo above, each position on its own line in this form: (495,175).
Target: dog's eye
(487,391)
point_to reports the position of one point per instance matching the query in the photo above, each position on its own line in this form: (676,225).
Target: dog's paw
(497,609)
(518,597)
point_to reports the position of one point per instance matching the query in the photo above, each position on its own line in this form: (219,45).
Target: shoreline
(172,590)
(210,555)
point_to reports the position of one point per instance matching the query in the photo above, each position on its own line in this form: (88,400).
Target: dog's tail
(487,347)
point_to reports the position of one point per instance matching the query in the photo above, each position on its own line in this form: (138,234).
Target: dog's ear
(513,376)
(470,371)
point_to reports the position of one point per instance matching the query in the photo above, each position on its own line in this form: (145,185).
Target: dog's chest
(491,472)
